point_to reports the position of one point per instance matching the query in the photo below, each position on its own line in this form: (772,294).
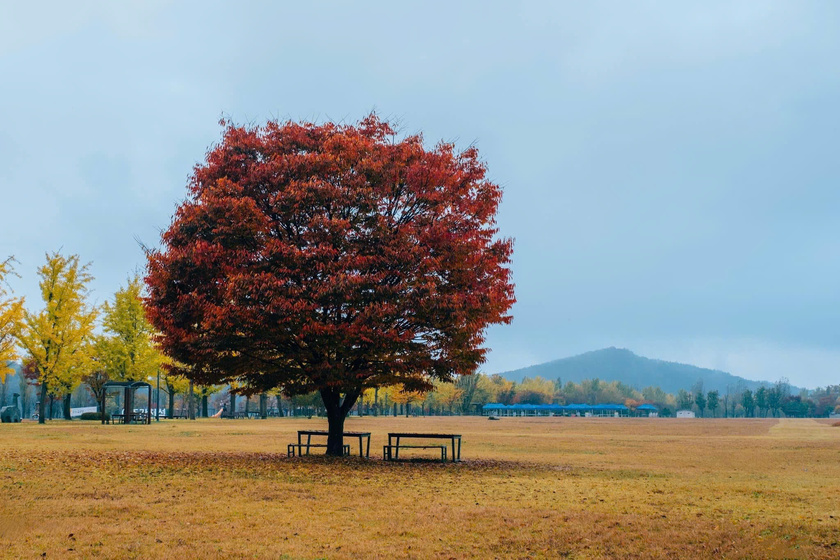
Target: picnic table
(129,418)
(364,451)
(392,450)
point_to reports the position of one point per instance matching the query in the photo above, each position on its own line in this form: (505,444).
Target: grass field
(527,488)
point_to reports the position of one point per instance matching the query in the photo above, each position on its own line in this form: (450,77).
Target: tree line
(62,354)
(66,341)
(470,393)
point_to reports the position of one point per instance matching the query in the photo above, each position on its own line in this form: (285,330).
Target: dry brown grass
(528,488)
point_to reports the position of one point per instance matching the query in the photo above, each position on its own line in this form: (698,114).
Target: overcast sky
(670,168)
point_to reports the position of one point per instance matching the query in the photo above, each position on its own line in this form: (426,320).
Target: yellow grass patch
(528,488)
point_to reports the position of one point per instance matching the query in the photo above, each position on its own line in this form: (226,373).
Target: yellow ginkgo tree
(58,338)
(173,384)
(400,394)
(11,314)
(127,351)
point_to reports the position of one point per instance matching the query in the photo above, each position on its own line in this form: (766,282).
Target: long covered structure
(611,410)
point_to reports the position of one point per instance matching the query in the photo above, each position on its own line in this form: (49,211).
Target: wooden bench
(388,450)
(290,451)
(391,452)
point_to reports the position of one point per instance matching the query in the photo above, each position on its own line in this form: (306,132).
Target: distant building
(647,410)
(601,410)
(685,414)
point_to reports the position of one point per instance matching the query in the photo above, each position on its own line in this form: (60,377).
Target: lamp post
(157,398)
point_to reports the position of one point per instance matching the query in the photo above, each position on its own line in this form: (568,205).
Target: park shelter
(129,391)
(647,410)
(603,410)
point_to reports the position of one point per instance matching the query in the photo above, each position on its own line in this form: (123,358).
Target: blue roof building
(603,410)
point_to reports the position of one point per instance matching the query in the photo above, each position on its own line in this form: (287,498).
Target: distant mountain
(619,364)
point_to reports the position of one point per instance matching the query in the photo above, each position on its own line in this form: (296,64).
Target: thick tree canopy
(331,257)
(127,351)
(11,313)
(58,338)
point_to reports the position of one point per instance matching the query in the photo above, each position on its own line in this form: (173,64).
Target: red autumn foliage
(331,257)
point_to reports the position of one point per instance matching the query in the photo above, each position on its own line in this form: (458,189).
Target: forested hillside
(618,364)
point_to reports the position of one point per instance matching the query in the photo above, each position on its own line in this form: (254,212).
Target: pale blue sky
(670,168)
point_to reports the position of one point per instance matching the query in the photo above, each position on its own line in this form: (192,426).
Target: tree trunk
(263,406)
(42,406)
(337,409)
(191,401)
(204,408)
(170,410)
(67,406)
(280,406)
(232,412)
(128,404)
(24,398)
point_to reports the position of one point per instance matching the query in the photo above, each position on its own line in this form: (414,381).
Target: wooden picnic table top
(423,435)
(326,433)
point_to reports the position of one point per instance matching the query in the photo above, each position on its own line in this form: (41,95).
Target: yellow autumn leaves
(60,341)
(11,313)
(127,351)
(57,339)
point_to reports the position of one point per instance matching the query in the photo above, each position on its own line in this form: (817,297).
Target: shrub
(93,416)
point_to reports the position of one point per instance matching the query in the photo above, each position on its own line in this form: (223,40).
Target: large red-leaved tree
(333,258)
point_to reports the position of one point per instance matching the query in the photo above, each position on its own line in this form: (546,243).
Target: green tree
(761,400)
(660,398)
(684,400)
(796,407)
(700,401)
(748,402)
(774,400)
(58,338)
(712,401)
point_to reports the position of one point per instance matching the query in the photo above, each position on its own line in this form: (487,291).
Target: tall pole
(157,398)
